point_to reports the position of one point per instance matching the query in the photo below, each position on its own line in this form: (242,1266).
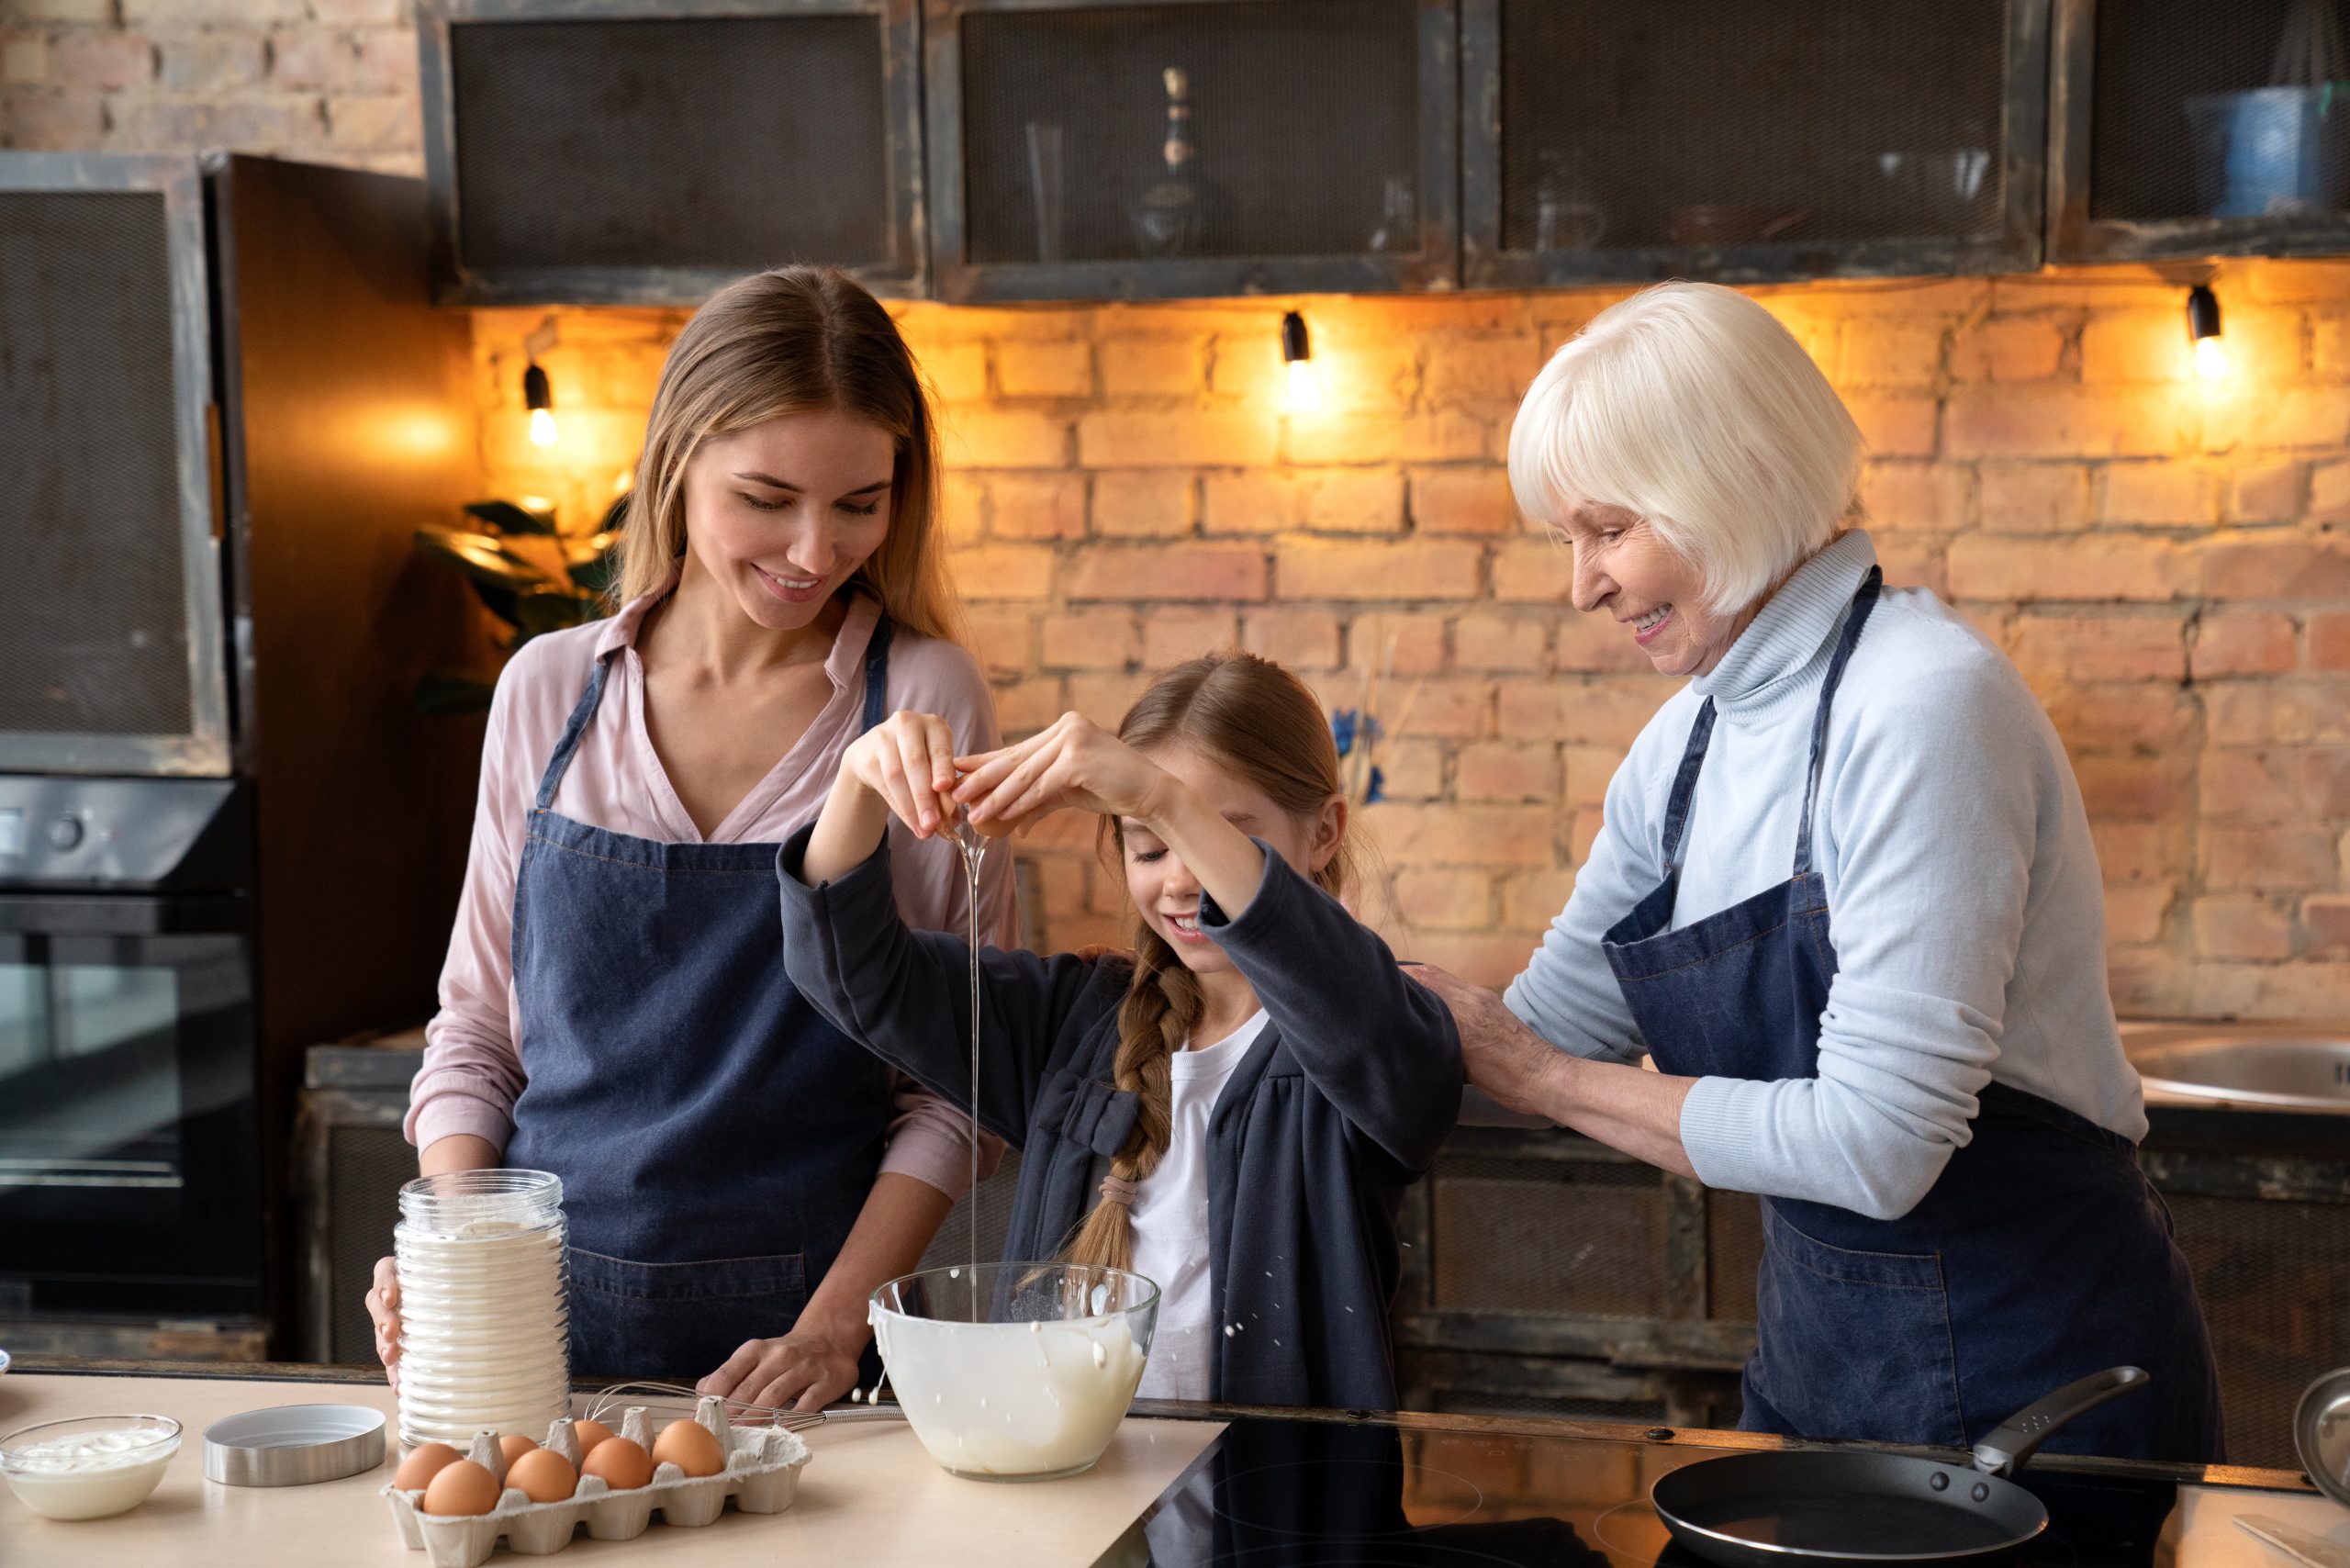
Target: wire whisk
(739,1412)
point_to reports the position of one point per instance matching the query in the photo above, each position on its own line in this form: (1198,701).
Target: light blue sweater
(1964,902)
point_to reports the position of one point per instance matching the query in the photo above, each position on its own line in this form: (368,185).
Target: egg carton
(761,1476)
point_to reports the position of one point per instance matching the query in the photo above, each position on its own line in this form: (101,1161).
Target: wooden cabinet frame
(2075,236)
(1434,265)
(2016,247)
(903,274)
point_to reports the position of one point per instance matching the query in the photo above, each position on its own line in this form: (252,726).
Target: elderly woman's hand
(1512,1064)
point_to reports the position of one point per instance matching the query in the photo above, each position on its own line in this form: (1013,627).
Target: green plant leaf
(444,693)
(551,611)
(483,558)
(499,575)
(508,517)
(595,567)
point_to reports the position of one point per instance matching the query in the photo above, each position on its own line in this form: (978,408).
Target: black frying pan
(1761,1510)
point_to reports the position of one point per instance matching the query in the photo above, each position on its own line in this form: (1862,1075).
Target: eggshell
(619,1464)
(690,1446)
(514,1445)
(589,1434)
(423,1462)
(464,1488)
(544,1476)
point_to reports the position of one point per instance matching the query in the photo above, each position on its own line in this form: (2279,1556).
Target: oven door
(130,1176)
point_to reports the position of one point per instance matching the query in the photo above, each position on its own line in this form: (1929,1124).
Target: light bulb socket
(2202,313)
(538,394)
(1295,346)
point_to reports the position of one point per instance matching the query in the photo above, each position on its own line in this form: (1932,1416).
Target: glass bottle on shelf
(1169,213)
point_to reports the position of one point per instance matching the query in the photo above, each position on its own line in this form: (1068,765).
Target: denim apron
(716,1137)
(2041,1253)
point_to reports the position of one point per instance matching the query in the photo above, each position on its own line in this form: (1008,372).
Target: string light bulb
(1305,389)
(2203,331)
(538,397)
(537,392)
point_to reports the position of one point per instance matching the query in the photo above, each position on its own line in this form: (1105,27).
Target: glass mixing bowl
(1015,1371)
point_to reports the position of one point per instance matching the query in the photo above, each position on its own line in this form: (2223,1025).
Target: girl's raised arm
(905,994)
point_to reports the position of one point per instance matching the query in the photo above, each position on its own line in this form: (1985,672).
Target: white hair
(1690,406)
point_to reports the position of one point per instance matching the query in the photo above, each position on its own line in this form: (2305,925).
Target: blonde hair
(795,340)
(1690,406)
(1257,721)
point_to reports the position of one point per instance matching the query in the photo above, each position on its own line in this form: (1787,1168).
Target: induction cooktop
(1338,1494)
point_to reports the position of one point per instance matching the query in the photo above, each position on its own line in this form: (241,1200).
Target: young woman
(738,1177)
(1234,1111)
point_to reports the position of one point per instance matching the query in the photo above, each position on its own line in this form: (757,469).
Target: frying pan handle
(2011,1445)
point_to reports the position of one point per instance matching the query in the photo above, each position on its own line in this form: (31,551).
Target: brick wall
(333,81)
(2164,558)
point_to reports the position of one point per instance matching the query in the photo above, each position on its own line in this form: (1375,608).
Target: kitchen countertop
(870,1496)
(1331,1487)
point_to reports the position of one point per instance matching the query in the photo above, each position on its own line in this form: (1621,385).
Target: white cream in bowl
(88,1469)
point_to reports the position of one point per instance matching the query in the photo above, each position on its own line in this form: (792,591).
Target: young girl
(1234,1111)
(737,1177)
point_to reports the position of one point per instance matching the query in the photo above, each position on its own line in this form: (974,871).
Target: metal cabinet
(1298,145)
(114,629)
(629,152)
(2183,129)
(1717,138)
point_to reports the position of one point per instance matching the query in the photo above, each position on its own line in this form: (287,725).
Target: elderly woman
(1845,901)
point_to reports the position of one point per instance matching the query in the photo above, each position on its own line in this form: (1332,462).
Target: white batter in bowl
(1015,1371)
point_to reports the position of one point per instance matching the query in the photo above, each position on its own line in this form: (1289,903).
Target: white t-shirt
(1171,1220)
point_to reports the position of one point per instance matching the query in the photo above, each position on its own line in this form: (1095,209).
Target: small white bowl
(114,1479)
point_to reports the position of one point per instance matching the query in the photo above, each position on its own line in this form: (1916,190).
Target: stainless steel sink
(2296,1067)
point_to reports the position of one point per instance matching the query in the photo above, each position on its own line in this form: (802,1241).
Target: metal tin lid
(2322,1434)
(294,1445)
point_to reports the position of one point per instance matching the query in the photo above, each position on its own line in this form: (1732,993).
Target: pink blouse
(473,1068)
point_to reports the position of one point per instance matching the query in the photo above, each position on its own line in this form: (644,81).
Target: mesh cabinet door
(112,642)
(1155,148)
(1743,142)
(624,151)
(2183,129)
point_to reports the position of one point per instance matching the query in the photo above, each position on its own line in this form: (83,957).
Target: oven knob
(65,833)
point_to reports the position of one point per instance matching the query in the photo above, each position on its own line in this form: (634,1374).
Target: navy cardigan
(1338,1105)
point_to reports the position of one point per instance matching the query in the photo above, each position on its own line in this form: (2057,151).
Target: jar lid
(294,1445)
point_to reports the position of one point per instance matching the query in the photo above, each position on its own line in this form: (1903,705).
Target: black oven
(129,1056)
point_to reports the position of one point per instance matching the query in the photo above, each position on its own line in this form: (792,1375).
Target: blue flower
(1342,730)
(1376,790)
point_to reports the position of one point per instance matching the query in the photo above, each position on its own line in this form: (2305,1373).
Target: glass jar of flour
(485,1332)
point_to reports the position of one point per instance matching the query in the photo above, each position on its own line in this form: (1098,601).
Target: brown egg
(621,1464)
(544,1476)
(514,1445)
(589,1434)
(423,1462)
(463,1488)
(690,1446)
